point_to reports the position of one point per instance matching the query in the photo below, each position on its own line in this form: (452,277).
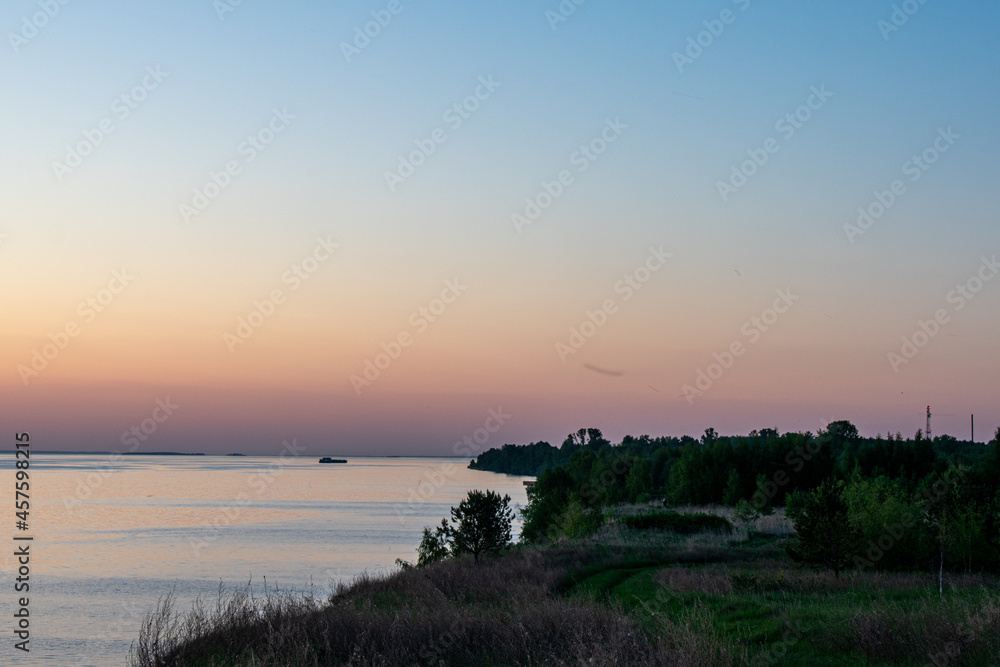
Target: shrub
(434,545)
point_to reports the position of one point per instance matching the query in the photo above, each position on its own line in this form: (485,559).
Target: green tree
(639,480)
(996,518)
(762,497)
(434,545)
(591,438)
(482,524)
(547,500)
(991,462)
(734,489)
(969,535)
(888,521)
(842,431)
(826,538)
(942,508)
(578,521)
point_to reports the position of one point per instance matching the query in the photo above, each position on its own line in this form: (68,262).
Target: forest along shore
(825,549)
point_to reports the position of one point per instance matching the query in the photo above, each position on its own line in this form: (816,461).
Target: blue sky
(656,184)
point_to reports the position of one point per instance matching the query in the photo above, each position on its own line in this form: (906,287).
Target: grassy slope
(620,597)
(761,601)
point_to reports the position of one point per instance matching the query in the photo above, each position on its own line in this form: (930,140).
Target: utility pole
(972,427)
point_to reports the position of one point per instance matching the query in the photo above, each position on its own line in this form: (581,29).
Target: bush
(578,521)
(434,545)
(745,513)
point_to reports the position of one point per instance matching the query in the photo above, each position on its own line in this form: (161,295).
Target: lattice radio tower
(928,429)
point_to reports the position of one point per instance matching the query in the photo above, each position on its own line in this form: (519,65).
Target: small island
(327,459)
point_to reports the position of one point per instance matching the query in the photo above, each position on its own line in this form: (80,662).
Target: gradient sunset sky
(667,119)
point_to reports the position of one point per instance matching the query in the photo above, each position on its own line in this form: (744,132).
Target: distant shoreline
(114,453)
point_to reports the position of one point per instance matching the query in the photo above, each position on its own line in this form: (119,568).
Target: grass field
(771,611)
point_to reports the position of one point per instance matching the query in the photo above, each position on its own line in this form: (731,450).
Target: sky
(384,227)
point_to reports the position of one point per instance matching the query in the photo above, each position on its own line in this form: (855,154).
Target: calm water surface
(112,536)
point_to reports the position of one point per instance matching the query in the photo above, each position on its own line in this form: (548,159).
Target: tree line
(884,502)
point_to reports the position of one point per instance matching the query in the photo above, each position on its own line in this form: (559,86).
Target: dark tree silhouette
(842,431)
(482,524)
(826,537)
(585,437)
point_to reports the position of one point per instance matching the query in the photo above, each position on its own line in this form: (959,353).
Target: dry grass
(234,622)
(773,524)
(955,635)
(499,612)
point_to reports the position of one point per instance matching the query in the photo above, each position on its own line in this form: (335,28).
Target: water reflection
(112,536)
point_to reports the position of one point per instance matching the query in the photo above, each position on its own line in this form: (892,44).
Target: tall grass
(953,634)
(499,612)
(225,631)
(617,597)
